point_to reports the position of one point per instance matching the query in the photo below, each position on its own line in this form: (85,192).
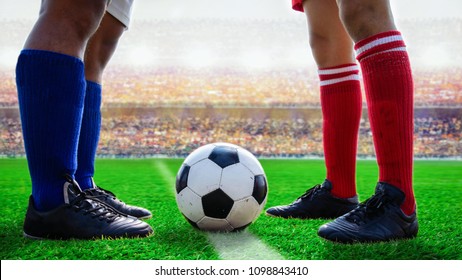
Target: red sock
(341,110)
(389,90)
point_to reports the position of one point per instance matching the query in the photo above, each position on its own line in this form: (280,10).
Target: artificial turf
(149,183)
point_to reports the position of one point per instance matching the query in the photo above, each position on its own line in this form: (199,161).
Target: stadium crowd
(209,87)
(210,64)
(176,136)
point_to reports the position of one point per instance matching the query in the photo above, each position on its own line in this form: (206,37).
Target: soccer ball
(221,187)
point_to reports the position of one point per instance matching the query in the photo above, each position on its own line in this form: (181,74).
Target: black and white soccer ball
(221,187)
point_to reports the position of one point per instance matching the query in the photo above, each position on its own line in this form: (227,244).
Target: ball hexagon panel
(249,160)
(213,224)
(243,212)
(237,181)
(260,188)
(204,177)
(190,204)
(217,204)
(199,154)
(224,156)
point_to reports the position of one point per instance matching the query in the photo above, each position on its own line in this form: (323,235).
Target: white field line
(230,246)
(242,246)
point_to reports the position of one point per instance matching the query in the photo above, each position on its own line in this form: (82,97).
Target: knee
(108,43)
(320,44)
(79,19)
(85,24)
(96,58)
(102,46)
(363,18)
(330,49)
(353,11)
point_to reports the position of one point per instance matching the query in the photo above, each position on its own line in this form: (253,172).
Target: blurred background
(188,73)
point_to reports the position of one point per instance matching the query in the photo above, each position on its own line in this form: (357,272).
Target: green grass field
(149,183)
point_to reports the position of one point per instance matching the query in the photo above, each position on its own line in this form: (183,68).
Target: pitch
(150,183)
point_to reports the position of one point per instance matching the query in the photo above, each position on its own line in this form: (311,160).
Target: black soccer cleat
(81,217)
(110,199)
(315,203)
(379,218)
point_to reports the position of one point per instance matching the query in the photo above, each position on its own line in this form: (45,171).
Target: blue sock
(51,91)
(89,136)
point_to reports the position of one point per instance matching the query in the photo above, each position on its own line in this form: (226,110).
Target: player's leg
(340,91)
(100,49)
(388,80)
(380,49)
(51,91)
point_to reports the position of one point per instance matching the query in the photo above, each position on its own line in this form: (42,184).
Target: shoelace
(368,209)
(100,211)
(310,192)
(99,192)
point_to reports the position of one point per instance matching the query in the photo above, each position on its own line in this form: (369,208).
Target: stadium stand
(165,104)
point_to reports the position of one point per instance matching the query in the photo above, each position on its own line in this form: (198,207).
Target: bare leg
(329,41)
(101,47)
(364,18)
(64,26)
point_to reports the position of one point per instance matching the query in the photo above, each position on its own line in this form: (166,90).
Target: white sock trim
(378,42)
(338,70)
(354,77)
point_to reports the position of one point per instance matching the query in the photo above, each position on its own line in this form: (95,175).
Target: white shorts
(121,10)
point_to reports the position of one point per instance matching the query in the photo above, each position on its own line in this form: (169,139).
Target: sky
(161,9)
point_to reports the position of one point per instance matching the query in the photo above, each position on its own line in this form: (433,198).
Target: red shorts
(297,5)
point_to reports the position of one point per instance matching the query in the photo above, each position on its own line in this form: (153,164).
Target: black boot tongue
(71,191)
(395,194)
(327,185)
